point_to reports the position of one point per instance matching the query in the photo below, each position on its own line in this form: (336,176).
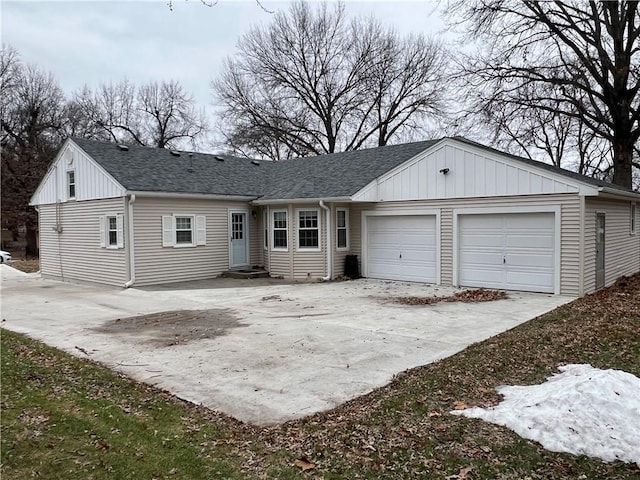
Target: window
(342,229)
(308,230)
(265,227)
(634,218)
(112,231)
(71,184)
(112,226)
(184,230)
(280,230)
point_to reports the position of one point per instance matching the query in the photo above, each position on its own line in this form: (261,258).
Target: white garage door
(402,248)
(511,251)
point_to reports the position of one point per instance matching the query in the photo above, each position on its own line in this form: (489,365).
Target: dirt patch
(467,296)
(174,328)
(27,266)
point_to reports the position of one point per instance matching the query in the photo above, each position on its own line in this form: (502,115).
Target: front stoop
(245,273)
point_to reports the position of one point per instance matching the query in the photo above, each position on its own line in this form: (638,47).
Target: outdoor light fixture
(444,171)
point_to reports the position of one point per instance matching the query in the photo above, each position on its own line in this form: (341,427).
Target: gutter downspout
(328,210)
(132,262)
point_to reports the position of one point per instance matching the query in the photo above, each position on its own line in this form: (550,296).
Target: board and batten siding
(156,264)
(76,254)
(456,170)
(92,182)
(570,228)
(622,249)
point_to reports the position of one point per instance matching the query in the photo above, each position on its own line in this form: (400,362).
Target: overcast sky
(90,42)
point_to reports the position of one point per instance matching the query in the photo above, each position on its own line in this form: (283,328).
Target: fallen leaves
(466,296)
(304,464)
(463,474)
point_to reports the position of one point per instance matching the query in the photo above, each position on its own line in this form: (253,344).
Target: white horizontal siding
(622,250)
(157,264)
(75,254)
(471,173)
(92,182)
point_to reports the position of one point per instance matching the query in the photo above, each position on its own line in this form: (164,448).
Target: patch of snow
(583,410)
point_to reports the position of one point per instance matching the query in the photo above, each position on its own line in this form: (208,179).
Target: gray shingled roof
(157,170)
(325,176)
(334,175)
(338,174)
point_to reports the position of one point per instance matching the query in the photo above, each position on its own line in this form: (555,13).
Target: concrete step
(246,273)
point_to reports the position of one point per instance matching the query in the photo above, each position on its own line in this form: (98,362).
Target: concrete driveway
(261,351)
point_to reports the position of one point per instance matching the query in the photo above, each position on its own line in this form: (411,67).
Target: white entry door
(514,251)
(402,247)
(238,239)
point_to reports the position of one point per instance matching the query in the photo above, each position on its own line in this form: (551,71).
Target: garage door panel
(513,251)
(402,247)
(525,221)
(480,258)
(530,259)
(490,222)
(530,240)
(534,281)
(480,239)
(479,275)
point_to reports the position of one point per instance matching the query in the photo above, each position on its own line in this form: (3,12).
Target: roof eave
(609,192)
(202,196)
(282,201)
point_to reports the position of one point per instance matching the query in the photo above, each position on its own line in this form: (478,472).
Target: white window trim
(198,230)
(265,229)
(297,218)
(272,230)
(633,218)
(75,185)
(104,231)
(346,228)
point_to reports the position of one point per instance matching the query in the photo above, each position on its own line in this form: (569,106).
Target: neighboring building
(447,211)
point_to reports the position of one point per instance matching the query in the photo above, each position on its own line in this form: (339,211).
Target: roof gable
(457,169)
(92,181)
(146,169)
(338,174)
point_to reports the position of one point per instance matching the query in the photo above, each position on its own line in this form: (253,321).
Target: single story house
(447,211)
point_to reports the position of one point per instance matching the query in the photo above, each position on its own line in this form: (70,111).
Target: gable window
(184,230)
(112,231)
(634,218)
(71,184)
(279,229)
(342,229)
(308,230)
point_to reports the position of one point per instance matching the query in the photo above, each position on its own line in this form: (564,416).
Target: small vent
(219,158)
(124,148)
(175,153)
(255,162)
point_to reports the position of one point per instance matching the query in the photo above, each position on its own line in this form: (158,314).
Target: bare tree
(160,115)
(575,59)
(314,82)
(32,106)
